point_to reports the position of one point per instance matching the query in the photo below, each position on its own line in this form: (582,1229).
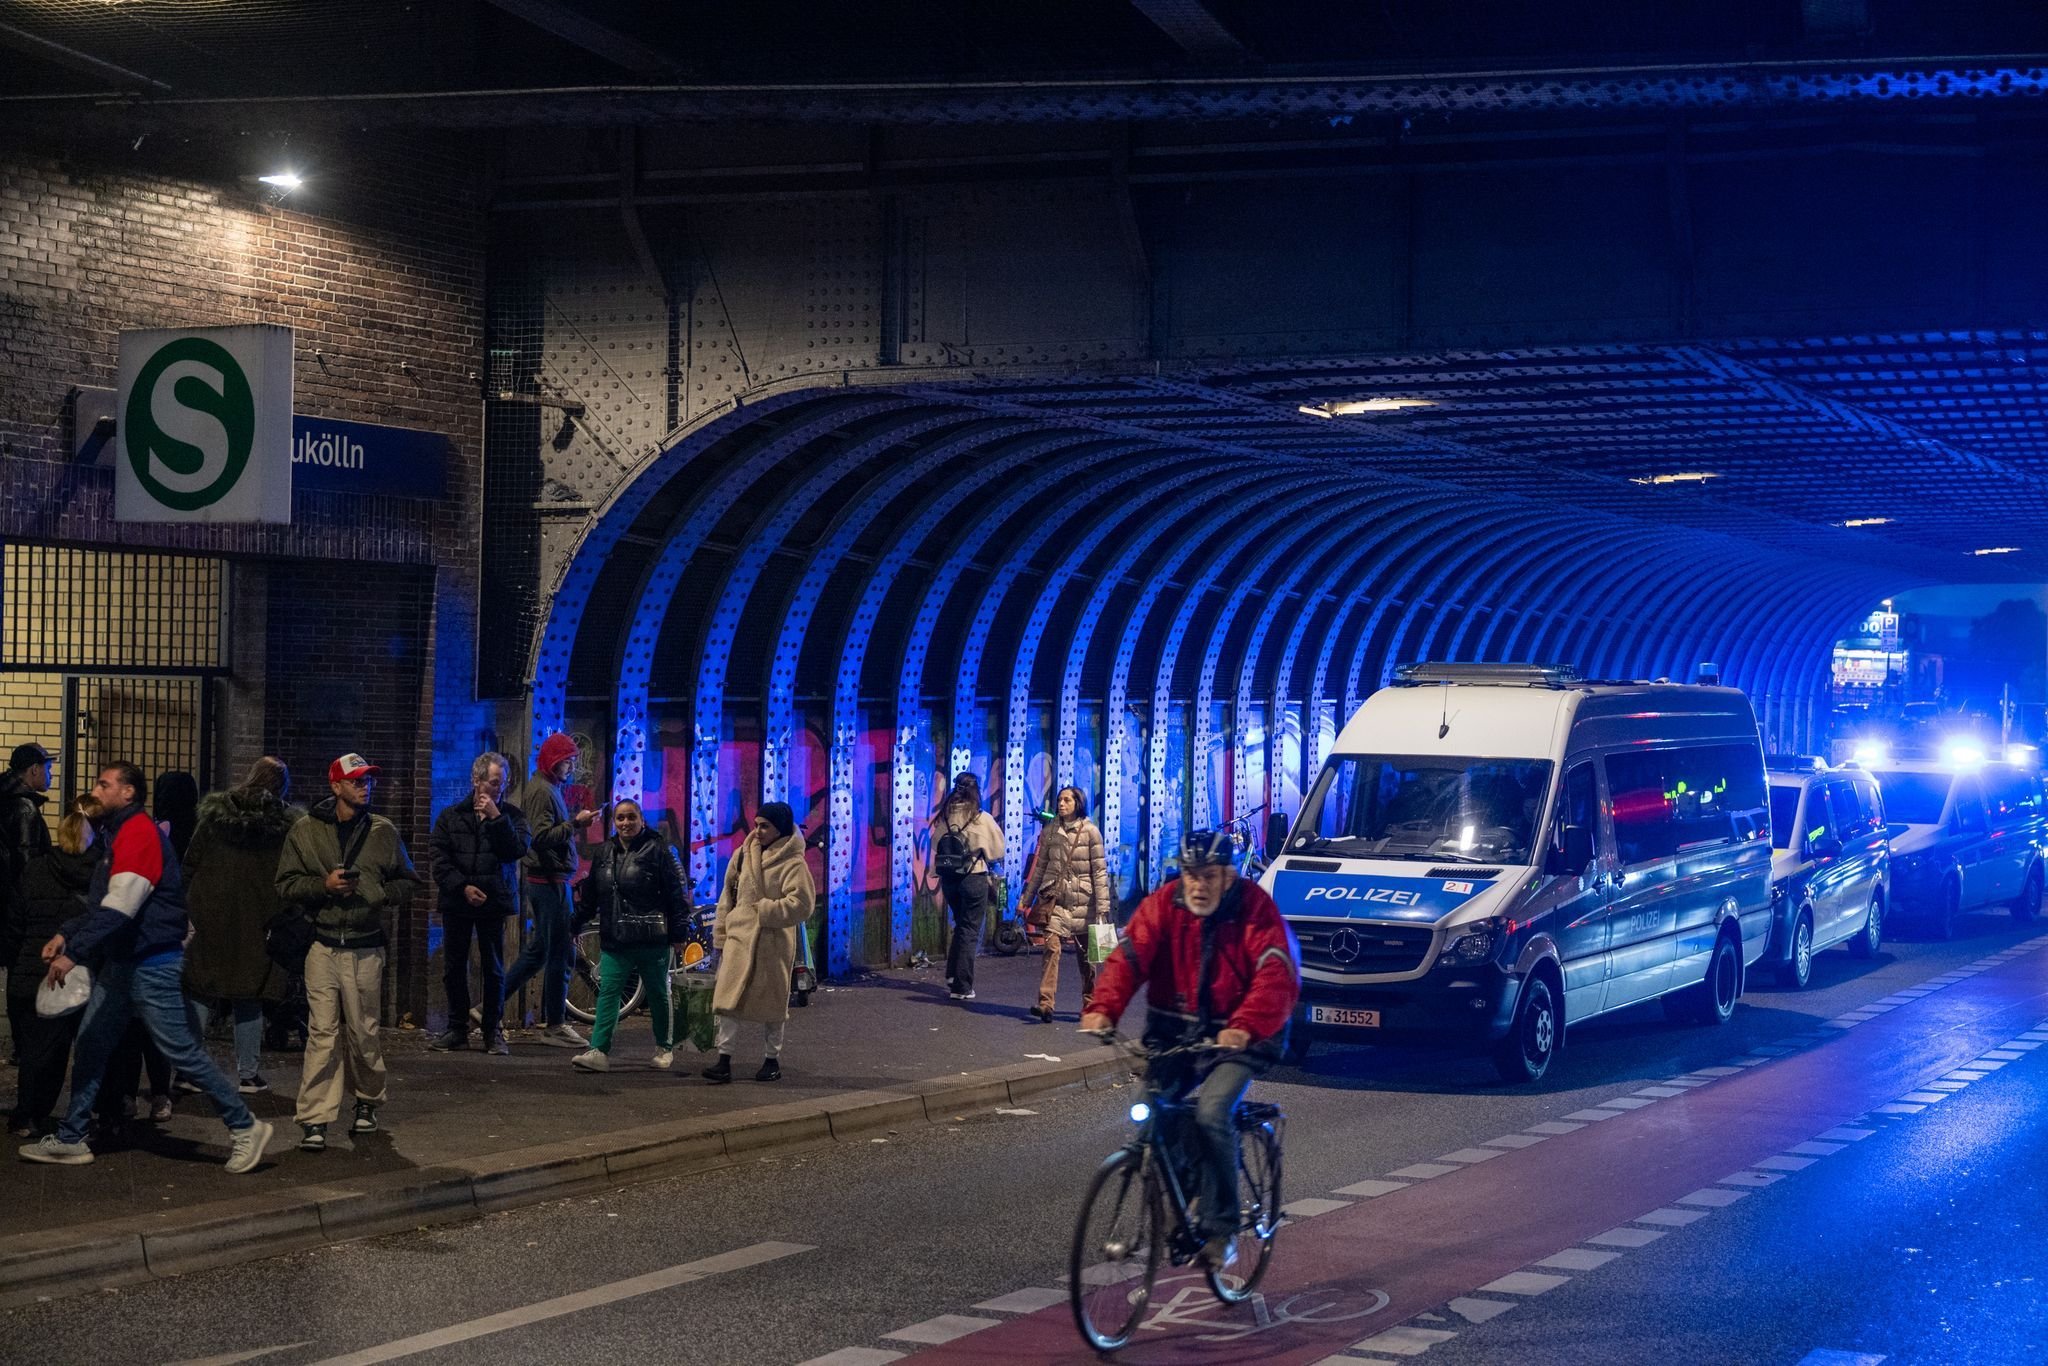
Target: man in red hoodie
(1216,961)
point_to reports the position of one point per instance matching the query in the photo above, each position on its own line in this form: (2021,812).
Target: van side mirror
(1826,847)
(1574,851)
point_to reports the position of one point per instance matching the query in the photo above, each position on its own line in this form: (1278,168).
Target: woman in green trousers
(641,899)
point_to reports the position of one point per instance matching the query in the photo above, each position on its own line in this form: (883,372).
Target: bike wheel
(1258,1194)
(1116,1252)
(583,981)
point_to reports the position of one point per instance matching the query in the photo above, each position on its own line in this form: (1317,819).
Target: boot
(719,1072)
(771,1070)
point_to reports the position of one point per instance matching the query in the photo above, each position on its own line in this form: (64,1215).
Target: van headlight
(1473,943)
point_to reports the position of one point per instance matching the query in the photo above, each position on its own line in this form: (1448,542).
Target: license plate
(1337,1015)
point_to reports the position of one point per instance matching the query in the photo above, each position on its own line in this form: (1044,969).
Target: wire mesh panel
(71,608)
(162,724)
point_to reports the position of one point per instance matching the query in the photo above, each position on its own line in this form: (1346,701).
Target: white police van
(1494,850)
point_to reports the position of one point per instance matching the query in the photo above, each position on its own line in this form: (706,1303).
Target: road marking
(1712,1196)
(1578,1259)
(1593,1116)
(854,1356)
(1659,1092)
(1025,1301)
(1626,1103)
(1674,1218)
(1367,1190)
(1828,1356)
(2006,1053)
(1781,1163)
(1848,1133)
(1925,1097)
(1309,1208)
(1624,1236)
(944,1328)
(1525,1283)
(1473,1155)
(1713,1071)
(1405,1341)
(1811,1149)
(1475,1310)
(1423,1171)
(230,1358)
(1751,1179)
(1555,1126)
(592,1298)
(1897,1109)
(1687,1083)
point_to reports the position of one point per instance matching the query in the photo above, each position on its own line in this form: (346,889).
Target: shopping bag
(1101,941)
(690,994)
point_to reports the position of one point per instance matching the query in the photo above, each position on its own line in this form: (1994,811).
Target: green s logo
(231,405)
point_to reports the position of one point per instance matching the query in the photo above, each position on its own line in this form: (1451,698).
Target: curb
(52,1263)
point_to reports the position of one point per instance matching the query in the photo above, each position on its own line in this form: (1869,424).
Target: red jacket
(1257,974)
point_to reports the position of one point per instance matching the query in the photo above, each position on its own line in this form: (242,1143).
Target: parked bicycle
(1136,1210)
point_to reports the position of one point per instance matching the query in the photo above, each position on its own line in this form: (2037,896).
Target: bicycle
(1121,1234)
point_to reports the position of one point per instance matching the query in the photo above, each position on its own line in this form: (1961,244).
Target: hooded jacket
(768,896)
(231,893)
(638,893)
(353,920)
(53,892)
(1255,975)
(551,856)
(23,836)
(135,907)
(470,851)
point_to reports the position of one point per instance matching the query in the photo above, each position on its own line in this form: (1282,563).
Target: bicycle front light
(1140,1112)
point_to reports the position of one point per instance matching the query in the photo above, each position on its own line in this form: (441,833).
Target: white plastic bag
(53,1001)
(1101,941)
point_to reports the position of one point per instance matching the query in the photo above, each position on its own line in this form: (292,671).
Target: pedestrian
(966,843)
(477,845)
(52,892)
(550,868)
(767,898)
(1069,887)
(132,934)
(231,891)
(345,868)
(23,836)
(641,901)
(175,804)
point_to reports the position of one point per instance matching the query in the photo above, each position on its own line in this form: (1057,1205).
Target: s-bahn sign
(204,425)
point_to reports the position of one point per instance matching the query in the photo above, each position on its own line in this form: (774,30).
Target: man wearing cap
(549,867)
(344,867)
(23,836)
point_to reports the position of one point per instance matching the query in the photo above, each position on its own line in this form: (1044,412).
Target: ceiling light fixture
(1998,550)
(1682,477)
(1352,407)
(1866,521)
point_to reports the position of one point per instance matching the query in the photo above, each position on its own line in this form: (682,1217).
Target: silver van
(1492,851)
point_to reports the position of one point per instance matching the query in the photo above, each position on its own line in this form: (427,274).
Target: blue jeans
(248,1031)
(550,951)
(1214,1130)
(152,992)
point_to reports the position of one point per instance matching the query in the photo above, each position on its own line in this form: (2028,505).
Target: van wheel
(1948,916)
(1711,1000)
(1797,971)
(1525,1054)
(2028,904)
(1866,944)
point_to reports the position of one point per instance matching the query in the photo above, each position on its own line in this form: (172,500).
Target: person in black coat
(24,837)
(477,844)
(641,900)
(53,888)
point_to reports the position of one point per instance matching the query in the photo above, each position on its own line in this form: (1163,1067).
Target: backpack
(952,855)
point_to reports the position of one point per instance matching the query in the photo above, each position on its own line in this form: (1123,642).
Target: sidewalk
(467,1131)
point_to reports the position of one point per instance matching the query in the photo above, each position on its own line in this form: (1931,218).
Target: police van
(1492,851)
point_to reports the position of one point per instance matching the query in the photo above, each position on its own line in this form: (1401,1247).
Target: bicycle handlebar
(1138,1048)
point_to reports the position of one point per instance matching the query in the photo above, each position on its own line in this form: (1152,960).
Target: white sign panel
(204,421)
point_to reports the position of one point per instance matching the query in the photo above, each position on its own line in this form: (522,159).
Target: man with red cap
(344,867)
(549,867)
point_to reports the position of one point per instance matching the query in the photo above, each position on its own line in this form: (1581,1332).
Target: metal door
(162,723)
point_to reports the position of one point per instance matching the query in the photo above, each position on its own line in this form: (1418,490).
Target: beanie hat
(780,816)
(553,750)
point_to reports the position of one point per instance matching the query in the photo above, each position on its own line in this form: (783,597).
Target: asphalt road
(1917,1243)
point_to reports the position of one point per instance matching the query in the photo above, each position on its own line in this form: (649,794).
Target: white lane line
(1658,1092)
(1950,1086)
(1515,1141)
(1713,1197)
(1310,1207)
(592,1298)
(944,1328)
(1828,1356)
(1757,1062)
(1925,1097)
(1966,1074)
(2005,1053)
(1405,1341)
(2024,1045)
(1625,1236)
(1626,1103)
(1687,1083)
(1751,1178)
(1577,1259)
(1713,1071)
(232,1358)
(1524,1283)
(1470,1155)
(1593,1116)
(1847,1134)
(1811,1149)
(1782,1163)
(1555,1126)
(1367,1190)
(1897,1109)
(2035,1036)
(1423,1171)
(1344,1359)
(1671,1218)
(1474,1310)
(1990,1063)
(1028,1301)
(855,1356)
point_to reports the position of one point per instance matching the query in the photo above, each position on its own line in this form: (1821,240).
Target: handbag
(1102,941)
(55,1001)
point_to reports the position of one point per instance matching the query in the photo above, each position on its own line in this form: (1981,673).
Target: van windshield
(1438,809)
(1915,798)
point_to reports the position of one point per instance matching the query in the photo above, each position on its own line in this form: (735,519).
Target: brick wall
(378,265)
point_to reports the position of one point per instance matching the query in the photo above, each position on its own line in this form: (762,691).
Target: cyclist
(1217,961)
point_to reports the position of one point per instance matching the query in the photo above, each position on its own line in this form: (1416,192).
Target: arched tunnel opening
(842,597)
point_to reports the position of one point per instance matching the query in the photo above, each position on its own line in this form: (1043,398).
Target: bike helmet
(1209,848)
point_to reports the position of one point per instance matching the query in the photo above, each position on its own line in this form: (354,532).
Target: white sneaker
(592,1061)
(563,1035)
(248,1148)
(664,1058)
(50,1148)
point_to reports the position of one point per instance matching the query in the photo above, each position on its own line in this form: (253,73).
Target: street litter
(1016,1112)
(1047,1056)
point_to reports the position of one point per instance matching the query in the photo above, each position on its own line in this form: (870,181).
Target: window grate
(67,608)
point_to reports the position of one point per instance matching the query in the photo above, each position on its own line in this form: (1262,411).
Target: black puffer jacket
(470,851)
(53,891)
(638,893)
(23,837)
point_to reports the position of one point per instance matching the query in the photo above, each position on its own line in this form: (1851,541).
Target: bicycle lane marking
(1434,1241)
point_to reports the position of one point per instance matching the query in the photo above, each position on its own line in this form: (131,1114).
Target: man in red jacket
(1216,961)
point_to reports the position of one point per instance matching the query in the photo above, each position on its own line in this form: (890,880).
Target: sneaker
(563,1036)
(159,1109)
(248,1147)
(719,1072)
(1220,1252)
(252,1085)
(771,1070)
(966,995)
(314,1139)
(366,1118)
(664,1058)
(591,1061)
(185,1086)
(451,1041)
(50,1148)
(497,1047)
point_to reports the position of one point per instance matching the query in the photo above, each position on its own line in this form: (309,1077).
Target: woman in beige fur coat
(768,896)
